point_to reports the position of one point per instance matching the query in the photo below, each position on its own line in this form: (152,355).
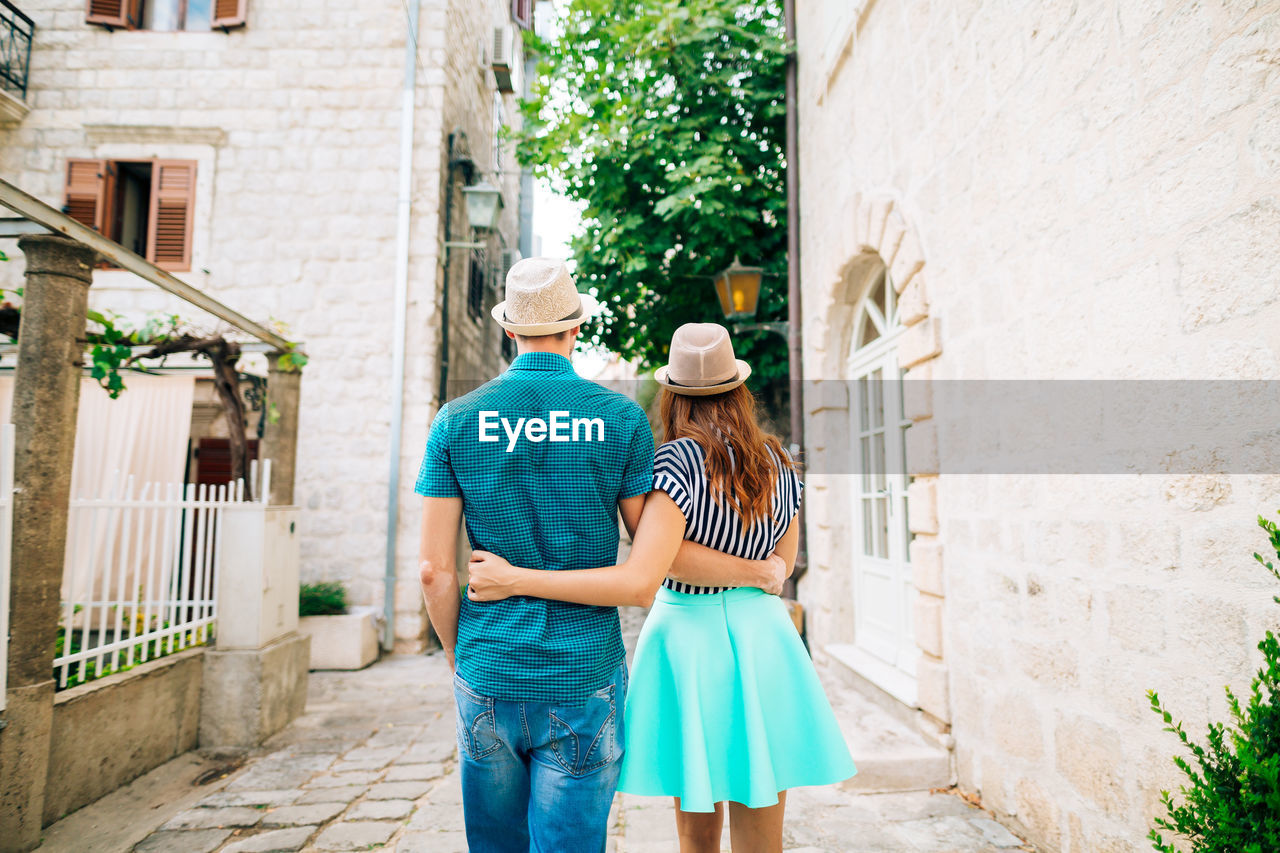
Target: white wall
(1091,189)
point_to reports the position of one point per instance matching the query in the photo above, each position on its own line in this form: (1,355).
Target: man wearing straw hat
(540,461)
(538,684)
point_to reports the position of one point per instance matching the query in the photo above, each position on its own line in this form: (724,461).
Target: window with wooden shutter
(86,192)
(229,13)
(475,286)
(167,15)
(522,13)
(111,13)
(147,206)
(173,190)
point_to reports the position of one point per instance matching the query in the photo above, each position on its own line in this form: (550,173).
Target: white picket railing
(141,572)
(6,548)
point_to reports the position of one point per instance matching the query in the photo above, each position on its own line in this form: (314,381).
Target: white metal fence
(6,540)
(141,572)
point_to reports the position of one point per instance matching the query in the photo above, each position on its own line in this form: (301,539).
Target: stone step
(891,753)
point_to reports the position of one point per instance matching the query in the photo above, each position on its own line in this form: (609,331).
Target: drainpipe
(459,160)
(400,301)
(795,352)
(443,388)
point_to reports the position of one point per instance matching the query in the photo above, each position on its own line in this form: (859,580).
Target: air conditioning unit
(509,258)
(505,63)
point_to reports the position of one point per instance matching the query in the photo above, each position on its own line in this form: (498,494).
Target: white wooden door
(883,587)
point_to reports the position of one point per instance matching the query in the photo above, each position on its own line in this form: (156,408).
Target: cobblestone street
(372,765)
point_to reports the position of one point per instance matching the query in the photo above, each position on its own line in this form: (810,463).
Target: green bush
(1231,802)
(328,598)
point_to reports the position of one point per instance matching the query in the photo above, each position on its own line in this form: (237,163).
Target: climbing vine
(113,345)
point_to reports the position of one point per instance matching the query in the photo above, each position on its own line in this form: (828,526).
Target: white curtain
(142,434)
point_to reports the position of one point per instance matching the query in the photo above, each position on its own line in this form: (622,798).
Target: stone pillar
(255,680)
(46,395)
(280,437)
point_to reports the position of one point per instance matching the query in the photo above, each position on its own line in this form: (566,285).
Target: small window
(177,14)
(879,311)
(167,15)
(522,13)
(144,205)
(475,286)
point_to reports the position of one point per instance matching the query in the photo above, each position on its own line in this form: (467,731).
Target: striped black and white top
(679,469)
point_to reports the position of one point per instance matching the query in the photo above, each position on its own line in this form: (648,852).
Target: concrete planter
(349,641)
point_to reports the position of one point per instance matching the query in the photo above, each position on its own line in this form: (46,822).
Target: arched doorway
(874,591)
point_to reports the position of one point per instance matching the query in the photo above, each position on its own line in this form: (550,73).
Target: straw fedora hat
(541,299)
(701,362)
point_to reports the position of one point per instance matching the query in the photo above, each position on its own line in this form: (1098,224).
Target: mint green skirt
(724,704)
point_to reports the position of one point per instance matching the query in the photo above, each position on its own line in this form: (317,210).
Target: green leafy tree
(1231,802)
(666,120)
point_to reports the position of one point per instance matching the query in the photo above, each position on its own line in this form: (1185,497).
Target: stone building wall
(294,121)
(1082,190)
(465,91)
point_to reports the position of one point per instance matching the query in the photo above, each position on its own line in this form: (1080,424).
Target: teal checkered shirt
(540,458)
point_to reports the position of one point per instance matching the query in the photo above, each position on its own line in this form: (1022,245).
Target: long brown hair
(747,480)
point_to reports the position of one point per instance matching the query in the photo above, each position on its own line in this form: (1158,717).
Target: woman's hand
(491,578)
(774,574)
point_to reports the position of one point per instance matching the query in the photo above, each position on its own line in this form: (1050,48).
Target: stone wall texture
(294,121)
(1061,190)
(95,748)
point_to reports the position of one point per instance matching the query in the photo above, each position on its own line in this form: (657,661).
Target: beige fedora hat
(701,362)
(541,299)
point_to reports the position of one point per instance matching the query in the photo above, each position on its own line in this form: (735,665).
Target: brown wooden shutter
(110,13)
(522,13)
(229,13)
(86,192)
(173,193)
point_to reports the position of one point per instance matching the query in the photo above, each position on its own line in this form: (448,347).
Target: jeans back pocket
(584,737)
(476,725)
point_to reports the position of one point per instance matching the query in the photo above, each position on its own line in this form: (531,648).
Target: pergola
(60,255)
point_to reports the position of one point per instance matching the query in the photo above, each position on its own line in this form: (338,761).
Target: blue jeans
(539,777)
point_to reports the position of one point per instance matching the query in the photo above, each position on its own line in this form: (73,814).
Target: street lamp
(484,202)
(738,289)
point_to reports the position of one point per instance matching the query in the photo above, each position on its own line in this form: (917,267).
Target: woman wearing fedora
(724,704)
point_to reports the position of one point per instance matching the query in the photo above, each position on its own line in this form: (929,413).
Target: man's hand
(490,578)
(773,574)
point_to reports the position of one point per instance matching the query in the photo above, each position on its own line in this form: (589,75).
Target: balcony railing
(16,32)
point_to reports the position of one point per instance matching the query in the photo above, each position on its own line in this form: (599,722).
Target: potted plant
(340,638)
